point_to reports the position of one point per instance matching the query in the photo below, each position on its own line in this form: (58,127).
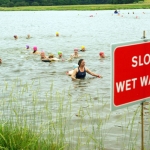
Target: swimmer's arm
(92,73)
(74,74)
(71,57)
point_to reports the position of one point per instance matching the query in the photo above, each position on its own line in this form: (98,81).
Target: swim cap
(76,49)
(82,48)
(35,48)
(57,34)
(27,47)
(101,53)
(75,66)
(59,52)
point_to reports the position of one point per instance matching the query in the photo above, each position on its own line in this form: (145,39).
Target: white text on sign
(140,61)
(131,83)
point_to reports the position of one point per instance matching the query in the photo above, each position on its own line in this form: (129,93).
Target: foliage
(11,3)
(15,137)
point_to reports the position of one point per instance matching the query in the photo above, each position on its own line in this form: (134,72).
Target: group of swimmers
(118,13)
(79,71)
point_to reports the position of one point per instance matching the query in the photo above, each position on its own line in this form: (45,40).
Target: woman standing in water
(80,72)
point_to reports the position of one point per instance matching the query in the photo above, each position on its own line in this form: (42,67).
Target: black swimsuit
(81,75)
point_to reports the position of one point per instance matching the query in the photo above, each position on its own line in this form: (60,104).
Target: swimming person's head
(27,47)
(59,54)
(57,33)
(102,55)
(42,55)
(15,37)
(81,63)
(75,51)
(51,56)
(0,61)
(34,49)
(28,36)
(82,48)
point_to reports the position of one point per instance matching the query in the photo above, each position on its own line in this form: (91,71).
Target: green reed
(33,118)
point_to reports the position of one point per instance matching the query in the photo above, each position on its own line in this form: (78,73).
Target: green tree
(4,2)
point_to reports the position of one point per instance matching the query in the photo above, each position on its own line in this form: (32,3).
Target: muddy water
(76,28)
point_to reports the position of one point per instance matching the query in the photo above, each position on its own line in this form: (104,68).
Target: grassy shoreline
(143,5)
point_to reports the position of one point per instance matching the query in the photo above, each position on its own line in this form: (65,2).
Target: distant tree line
(12,3)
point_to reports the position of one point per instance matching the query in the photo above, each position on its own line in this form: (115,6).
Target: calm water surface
(76,28)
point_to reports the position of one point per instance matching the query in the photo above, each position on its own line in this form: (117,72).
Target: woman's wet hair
(79,62)
(51,56)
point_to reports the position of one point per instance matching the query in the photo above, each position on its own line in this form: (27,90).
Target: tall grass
(15,137)
(39,119)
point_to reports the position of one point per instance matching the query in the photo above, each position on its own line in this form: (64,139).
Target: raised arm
(92,73)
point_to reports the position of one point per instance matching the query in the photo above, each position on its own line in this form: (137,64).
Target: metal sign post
(142,127)
(142,116)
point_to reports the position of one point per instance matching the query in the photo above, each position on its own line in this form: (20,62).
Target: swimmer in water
(0,61)
(28,36)
(27,47)
(15,37)
(43,56)
(80,72)
(75,55)
(82,48)
(69,73)
(35,51)
(57,34)
(116,11)
(59,54)
(52,58)
(102,55)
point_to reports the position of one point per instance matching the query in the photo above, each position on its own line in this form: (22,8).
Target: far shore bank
(79,7)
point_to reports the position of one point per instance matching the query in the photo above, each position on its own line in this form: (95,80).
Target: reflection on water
(76,28)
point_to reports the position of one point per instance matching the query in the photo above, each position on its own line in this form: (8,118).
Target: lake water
(76,28)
